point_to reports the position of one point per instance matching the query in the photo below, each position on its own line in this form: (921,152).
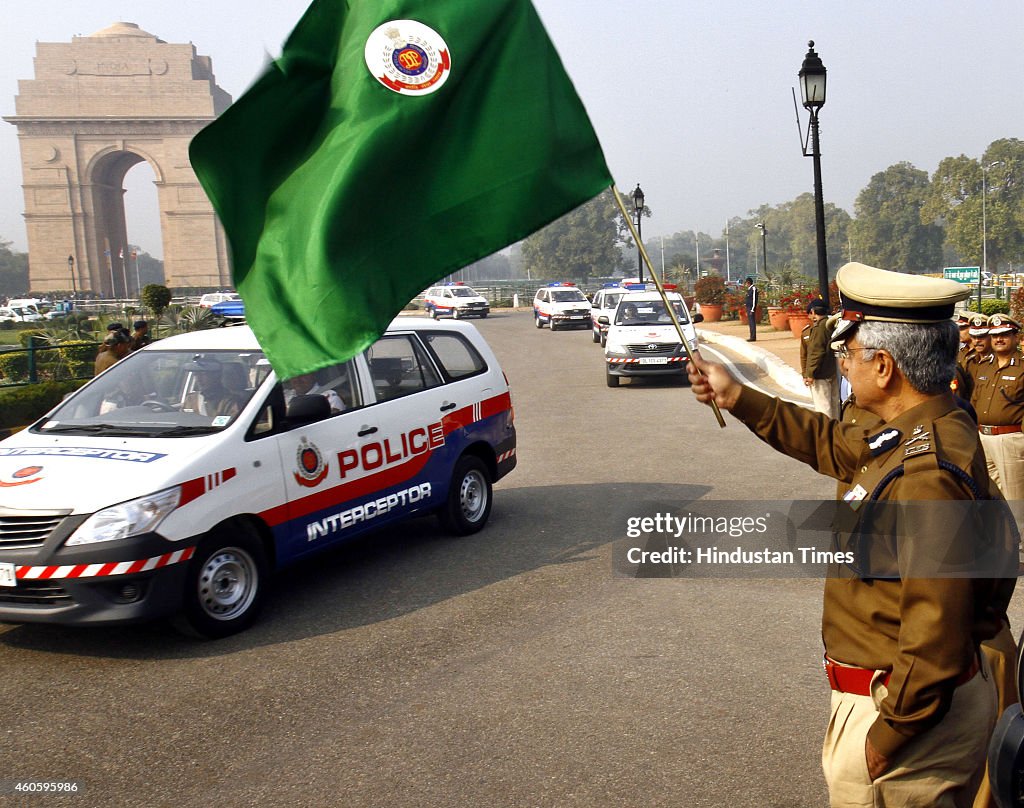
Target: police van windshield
(163,394)
(567,295)
(462,291)
(649,312)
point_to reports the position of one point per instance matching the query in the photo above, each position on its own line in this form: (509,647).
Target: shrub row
(23,405)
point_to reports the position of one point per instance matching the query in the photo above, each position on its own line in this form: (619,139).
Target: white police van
(455,300)
(177,480)
(603,305)
(641,339)
(561,305)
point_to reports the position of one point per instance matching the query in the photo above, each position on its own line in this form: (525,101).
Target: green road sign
(962,274)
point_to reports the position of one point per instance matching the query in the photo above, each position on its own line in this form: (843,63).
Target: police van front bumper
(655,365)
(124,581)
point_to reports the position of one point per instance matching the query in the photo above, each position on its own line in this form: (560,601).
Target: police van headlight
(613,345)
(127,519)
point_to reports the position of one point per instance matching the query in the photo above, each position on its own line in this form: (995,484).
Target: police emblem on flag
(408,57)
(311,467)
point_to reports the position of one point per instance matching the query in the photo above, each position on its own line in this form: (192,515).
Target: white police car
(603,305)
(561,305)
(178,479)
(455,300)
(641,339)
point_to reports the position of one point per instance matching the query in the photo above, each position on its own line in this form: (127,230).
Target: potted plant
(795,306)
(710,293)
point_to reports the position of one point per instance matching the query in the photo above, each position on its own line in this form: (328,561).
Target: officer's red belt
(848,679)
(998,430)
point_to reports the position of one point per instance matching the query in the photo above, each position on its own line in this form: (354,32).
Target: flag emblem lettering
(408,57)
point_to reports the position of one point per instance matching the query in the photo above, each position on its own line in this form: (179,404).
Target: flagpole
(661,291)
(124,272)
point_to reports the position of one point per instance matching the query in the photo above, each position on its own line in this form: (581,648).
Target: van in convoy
(641,339)
(210,299)
(561,305)
(177,480)
(455,300)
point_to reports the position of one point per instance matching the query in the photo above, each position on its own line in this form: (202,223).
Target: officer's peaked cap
(870,293)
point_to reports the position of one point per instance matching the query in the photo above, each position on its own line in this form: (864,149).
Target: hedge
(990,306)
(20,406)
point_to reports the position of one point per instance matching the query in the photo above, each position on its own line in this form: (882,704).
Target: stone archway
(96,107)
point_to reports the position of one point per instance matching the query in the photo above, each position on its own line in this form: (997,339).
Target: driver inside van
(209,396)
(306,385)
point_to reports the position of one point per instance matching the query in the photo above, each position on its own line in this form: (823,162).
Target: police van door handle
(446,407)
(366,430)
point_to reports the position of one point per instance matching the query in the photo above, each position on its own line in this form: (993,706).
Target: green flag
(392,143)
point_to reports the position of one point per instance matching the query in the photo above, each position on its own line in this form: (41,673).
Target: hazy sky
(692,100)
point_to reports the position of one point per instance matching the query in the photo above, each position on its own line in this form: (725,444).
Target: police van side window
(400,366)
(454,353)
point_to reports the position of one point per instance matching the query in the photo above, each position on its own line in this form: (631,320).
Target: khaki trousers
(940,768)
(1005,455)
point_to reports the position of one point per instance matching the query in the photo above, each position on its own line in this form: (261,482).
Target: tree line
(903,220)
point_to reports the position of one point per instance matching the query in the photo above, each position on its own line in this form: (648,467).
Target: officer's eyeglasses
(843,352)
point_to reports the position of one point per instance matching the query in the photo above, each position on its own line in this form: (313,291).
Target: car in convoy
(231,310)
(455,300)
(20,314)
(176,481)
(561,305)
(642,340)
(603,305)
(211,299)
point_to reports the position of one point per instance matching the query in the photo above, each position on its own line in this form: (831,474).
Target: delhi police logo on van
(408,57)
(23,477)
(311,466)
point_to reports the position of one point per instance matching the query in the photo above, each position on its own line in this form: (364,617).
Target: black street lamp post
(71,271)
(764,247)
(638,209)
(812,93)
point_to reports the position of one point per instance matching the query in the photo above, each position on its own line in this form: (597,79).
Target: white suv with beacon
(641,339)
(177,480)
(455,300)
(561,305)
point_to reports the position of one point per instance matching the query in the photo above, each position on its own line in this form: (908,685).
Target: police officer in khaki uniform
(816,360)
(911,716)
(998,399)
(962,384)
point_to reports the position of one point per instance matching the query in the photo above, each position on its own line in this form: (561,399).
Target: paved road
(510,668)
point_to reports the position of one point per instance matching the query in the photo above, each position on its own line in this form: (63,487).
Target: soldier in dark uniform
(750,301)
(911,717)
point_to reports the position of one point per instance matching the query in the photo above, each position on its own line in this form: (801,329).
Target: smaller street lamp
(638,209)
(71,272)
(984,225)
(764,247)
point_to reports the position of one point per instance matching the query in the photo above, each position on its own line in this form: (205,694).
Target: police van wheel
(604,339)
(433,314)
(537,322)
(225,586)
(455,314)
(610,380)
(595,335)
(469,498)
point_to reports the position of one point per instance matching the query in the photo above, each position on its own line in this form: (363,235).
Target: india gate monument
(97,106)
